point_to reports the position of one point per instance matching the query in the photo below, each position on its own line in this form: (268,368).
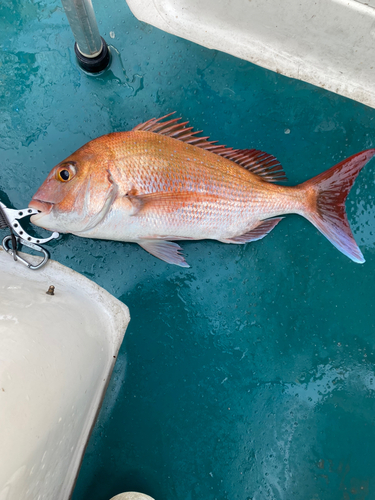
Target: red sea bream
(161,182)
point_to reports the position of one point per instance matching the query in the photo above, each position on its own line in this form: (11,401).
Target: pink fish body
(160,182)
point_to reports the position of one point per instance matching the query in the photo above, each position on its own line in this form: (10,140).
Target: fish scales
(174,169)
(235,194)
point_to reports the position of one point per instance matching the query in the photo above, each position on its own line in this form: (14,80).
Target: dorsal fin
(257,162)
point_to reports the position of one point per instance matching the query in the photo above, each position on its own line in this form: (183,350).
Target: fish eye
(66,173)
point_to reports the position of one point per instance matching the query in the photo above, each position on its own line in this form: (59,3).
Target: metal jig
(9,218)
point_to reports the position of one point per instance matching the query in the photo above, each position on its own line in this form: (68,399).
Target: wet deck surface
(251,374)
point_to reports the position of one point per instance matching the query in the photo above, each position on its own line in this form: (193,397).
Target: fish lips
(44,208)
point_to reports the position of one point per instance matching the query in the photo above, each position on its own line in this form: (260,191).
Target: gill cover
(98,200)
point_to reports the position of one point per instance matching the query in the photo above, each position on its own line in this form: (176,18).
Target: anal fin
(255,234)
(164,250)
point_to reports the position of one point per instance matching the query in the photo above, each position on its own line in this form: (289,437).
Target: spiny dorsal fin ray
(255,161)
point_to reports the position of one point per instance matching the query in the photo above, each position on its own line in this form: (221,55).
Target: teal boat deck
(249,376)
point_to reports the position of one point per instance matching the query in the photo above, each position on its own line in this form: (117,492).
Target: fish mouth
(44,208)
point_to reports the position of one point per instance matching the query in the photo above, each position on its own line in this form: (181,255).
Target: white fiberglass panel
(56,356)
(329,43)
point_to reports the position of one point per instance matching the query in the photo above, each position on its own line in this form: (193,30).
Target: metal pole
(91,50)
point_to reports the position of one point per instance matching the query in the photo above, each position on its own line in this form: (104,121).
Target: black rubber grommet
(94,64)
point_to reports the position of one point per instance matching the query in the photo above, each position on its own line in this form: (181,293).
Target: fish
(163,182)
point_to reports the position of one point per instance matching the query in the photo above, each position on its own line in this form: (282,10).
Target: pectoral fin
(164,250)
(165,202)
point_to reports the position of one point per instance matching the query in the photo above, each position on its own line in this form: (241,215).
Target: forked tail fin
(331,188)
